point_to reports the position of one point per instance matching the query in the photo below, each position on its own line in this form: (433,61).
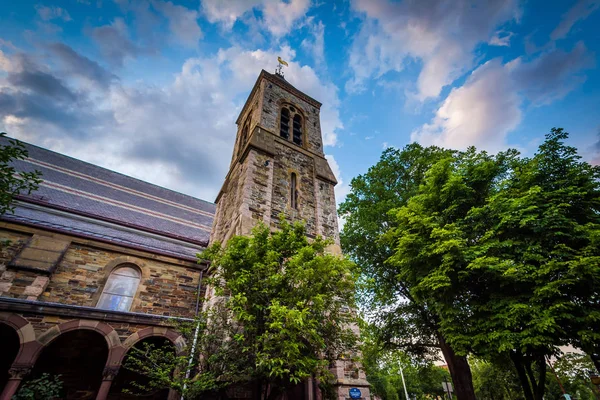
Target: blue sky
(152,88)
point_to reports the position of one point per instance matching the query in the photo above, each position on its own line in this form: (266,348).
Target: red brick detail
(16,321)
(68,326)
(109,334)
(144,333)
(28,353)
(116,356)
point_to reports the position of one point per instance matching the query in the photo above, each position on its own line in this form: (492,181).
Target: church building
(94,262)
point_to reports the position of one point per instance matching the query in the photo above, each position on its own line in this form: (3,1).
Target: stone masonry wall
(165,289)
(326,210)
(273,98)
(288,160)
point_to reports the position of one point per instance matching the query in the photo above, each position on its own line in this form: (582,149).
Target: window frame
(293,110)
(126,261)
(294,193)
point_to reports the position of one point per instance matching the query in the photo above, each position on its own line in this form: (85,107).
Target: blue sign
(355,393)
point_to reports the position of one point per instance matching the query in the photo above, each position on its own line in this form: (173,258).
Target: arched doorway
(124,381)
(10,343)
(78,357)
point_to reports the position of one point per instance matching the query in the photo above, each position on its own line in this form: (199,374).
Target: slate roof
(84,199)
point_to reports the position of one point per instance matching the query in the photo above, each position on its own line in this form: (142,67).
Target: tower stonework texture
(278,167)
(271,174)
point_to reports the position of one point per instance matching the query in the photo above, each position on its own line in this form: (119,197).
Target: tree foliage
(404,321)
(45,387)
(506,251)
(203,363)
(292,299)
(498,254)
(11,182)
(383,365)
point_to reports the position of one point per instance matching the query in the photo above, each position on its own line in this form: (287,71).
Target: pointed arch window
(294,191)
(120,288)
(291,122)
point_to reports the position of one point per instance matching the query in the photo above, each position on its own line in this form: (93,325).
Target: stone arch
(124,376)
(28,343)
(77,351)
(175,338)
(110,335)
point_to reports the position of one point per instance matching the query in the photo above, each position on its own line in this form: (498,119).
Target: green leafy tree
(506,252)
(383,368)
(292,299)
(203,364)
(11,182)
(495,380)
(571,372)
(404,321)
(46,387)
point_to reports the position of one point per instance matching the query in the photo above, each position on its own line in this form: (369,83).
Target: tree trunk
(459,371)
(541,384)
(517,359)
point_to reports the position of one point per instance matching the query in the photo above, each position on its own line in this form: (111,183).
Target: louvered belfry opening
(284,129)
(291,116)
(297,130)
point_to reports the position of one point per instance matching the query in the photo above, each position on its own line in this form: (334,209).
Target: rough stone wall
(326,210)
(253,111)
(286,161)
(257,196)
(272,99)
(229,204)
(18,283)
(165,289)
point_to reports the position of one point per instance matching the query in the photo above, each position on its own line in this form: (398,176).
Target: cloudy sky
(152,88)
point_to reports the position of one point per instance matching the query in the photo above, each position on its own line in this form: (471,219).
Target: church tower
(278,165)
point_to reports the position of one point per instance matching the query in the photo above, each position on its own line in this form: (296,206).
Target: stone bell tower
(278,166)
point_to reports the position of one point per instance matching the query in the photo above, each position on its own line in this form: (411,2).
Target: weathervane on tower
(279,68)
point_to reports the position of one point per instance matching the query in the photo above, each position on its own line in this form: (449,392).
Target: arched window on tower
(293,191)
(297,130)
(284,124)
(291,122)
(120,288)
(245,133)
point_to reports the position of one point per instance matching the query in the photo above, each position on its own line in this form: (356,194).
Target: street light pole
(404,384)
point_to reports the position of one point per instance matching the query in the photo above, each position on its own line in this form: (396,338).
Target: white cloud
(50,13)
(316,46)
(179,135)
(501,38)
(480,113)
(580,10)
(278,17)
(487,107)
(442,35)
(183,22)
(342,188)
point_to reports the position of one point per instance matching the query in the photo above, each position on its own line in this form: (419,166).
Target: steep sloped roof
(82,198)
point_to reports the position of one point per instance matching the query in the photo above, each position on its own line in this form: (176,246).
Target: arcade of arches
(88,356)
